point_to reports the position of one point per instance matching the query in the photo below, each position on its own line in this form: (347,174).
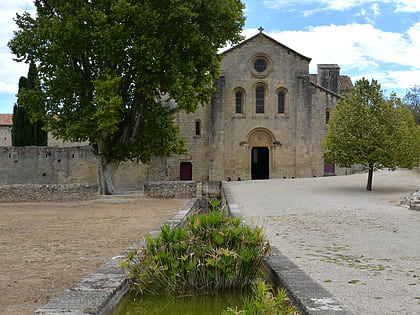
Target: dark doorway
(260,163)
(185,171)
(329,169)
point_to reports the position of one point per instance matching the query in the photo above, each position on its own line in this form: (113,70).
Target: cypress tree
(26,132)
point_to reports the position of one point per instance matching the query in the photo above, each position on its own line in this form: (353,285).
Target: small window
(327,117)
(239,100)
(259,100)
(280,102)
(260,65)
(198,128)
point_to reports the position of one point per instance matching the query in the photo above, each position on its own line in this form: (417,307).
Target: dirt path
(45,247)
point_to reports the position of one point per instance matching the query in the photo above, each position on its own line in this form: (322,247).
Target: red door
(329,169)
(185,171)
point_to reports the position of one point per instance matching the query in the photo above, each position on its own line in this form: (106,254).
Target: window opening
(259,99)
(260,65)
(238,102)
(280,102)
(197,128)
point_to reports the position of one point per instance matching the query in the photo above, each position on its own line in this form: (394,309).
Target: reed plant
(211,253)
(265,300)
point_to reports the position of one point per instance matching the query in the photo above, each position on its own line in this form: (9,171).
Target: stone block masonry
(63,165)
(183,189)
(28,192)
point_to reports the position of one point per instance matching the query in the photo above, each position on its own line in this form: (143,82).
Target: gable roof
(261,34)
(6,120)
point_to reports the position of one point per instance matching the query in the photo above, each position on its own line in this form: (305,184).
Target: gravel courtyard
(361,246)
(45,247)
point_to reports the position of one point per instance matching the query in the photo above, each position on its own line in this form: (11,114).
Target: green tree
(412,100)
(25,130)
(113,72)
(370,129)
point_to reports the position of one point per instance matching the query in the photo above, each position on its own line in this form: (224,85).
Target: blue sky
(373,39)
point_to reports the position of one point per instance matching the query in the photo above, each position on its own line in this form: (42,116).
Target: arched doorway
(260,167)
(260,141)
(185,171)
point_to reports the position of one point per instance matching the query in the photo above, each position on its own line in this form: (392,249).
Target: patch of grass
(353,281)
(61,251)
(327,280)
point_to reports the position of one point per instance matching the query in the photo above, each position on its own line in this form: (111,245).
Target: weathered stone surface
(412,201)
(28,192)
(183,189)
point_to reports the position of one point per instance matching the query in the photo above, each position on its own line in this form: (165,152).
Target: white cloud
(375,9)
(9,69)
(408,6)
(342,5)
(360,50)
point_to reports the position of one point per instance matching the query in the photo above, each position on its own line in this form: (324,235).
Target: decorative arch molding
(260,137)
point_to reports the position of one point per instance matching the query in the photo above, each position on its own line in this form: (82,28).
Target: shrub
(213,252)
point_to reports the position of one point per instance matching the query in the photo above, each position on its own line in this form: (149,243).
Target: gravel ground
(361,246)
(45,247)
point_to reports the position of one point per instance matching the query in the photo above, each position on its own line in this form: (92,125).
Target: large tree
(412,100)
(114,71)
(371,129)
(25,130)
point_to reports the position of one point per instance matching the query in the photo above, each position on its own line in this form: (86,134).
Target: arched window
(281,102)
(259,99)
(327,116)
(198,128)
(239,101)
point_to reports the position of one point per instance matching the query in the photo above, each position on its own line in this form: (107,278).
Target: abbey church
(266,118)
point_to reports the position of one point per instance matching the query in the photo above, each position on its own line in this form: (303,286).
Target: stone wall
(28,192)
(5,135)
(183,189)
(63,165)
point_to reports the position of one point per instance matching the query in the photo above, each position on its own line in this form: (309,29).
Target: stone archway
(260,141)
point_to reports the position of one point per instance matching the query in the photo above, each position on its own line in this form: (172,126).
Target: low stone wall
(183,189)
(30,192)
(412,201)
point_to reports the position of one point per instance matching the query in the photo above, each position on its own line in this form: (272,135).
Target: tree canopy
(412,100)
(371,129)
(113,72)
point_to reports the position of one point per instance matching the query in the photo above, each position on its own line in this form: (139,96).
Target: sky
(375,39)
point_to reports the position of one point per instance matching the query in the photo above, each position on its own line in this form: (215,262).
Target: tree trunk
(370,177)
(107,170)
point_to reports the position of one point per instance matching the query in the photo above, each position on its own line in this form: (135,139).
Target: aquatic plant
(264,300)
(212,252)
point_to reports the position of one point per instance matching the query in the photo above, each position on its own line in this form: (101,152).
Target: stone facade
(6,123)
(266,119)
